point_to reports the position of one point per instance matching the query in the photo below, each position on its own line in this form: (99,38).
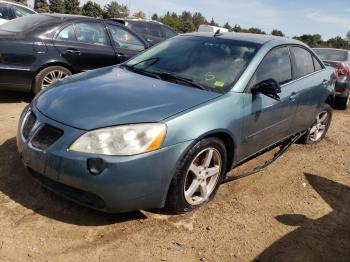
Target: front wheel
(319,128)
(198,176)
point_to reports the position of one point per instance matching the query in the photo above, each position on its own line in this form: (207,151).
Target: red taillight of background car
(342,71)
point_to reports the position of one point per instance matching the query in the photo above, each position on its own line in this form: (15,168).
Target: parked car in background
(211,29)
(37,50)
(10,10)
(164,128)
(152,31)
(340,60)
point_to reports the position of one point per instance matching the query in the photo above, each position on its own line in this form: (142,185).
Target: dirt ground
(296,210)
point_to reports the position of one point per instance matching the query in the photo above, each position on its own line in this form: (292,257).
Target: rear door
(126,43)
(85,45)
(310,82)
(268,120)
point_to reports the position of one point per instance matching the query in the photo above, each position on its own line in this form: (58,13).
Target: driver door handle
(73,51)
(293,97)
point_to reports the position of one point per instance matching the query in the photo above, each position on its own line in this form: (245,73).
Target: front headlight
(121,140)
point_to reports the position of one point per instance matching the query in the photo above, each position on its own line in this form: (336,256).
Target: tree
(57,6)
(140,15)
(115,10)
(213,23)
(155,17)
(277,32)
(186,22)
(72,7)
(311,40)
(198,19)
(255,30)
(92,9)
(228,27)
(348,36)
(41,6)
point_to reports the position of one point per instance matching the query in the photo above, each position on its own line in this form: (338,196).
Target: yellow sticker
(219,84)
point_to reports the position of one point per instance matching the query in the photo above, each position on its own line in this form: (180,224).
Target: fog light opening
(96,166)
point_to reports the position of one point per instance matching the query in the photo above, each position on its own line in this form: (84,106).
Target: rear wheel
(198,176)
(342,102)
(48,76)
(319,128)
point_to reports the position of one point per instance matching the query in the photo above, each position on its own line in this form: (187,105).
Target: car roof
(18,4)
(133,19)
(248,37)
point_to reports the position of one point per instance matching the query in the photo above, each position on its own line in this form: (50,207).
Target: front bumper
(127,183)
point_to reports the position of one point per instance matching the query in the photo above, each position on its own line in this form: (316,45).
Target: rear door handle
(72,51)
(122,56)
(293,96)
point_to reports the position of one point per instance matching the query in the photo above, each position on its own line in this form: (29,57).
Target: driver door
(269,120)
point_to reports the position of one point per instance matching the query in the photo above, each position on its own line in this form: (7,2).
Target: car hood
(115,96)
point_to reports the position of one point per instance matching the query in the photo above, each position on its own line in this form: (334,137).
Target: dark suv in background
(152,31)
(340,60)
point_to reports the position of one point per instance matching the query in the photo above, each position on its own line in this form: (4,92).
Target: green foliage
(228,27)
(155,17)
(57,6)
(348,36)
(41,6)
(213,23)
(316,41)
(72,7)
(198,19)
(115,10)
(92,9)
(277,32)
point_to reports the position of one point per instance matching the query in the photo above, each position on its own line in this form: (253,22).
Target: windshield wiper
(156,59)
(143,72)
(167,76)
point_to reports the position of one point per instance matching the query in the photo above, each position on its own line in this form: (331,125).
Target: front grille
(28,125)
(80,196)
(46,136)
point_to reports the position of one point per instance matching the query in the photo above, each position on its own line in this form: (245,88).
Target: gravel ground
(298,209)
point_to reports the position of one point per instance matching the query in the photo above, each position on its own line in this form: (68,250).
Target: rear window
(138,27)
(332,54)
(155,30)
(25,23)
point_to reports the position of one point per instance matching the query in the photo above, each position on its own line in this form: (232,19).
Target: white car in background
(10,10)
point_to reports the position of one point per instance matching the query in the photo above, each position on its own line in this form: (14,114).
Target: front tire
(198,176)
(320,127)
(48,76)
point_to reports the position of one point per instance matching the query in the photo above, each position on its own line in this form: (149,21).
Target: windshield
(212,63)
(332,54)
(24,23)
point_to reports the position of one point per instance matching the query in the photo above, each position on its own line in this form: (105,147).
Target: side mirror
(268,87)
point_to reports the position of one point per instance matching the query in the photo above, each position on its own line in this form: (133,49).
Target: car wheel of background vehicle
(342,102)
(198,176)
(320,127)
(48,76)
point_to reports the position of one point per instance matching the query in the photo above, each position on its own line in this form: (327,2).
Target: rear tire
(319,128)
(342,103)
(48,76)
(198,176)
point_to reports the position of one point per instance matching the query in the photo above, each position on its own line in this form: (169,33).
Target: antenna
(217,33)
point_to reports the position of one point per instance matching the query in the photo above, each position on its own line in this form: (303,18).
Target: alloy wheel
(320,126)
(51,77)
(202,176)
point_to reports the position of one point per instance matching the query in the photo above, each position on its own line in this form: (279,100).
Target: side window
(140,28)
(317,64)
(67,34)
(91,33)
(4,11)
(168,32)
(303,61)
(20,11)
(155,30)
(275,65)
(125,39)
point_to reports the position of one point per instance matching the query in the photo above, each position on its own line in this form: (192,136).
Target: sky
(329,18)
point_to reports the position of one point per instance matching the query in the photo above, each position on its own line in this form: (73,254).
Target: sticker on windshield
(219,84)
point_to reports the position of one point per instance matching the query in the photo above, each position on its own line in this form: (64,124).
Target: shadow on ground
(15,97)
(324,239)
(16,183)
